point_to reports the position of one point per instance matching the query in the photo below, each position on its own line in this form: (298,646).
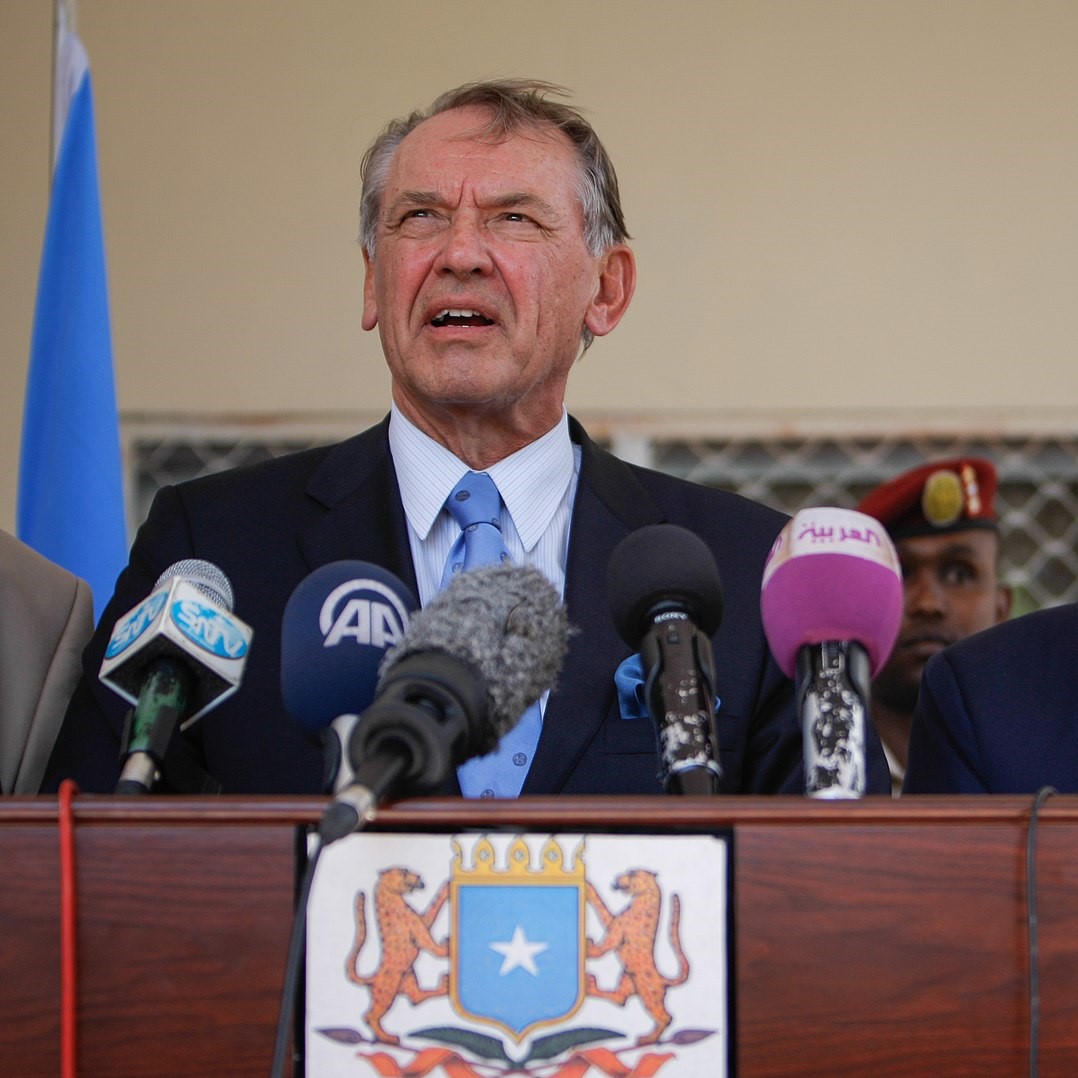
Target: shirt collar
(532,482)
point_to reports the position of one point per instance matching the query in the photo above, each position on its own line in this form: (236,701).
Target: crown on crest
(553,863)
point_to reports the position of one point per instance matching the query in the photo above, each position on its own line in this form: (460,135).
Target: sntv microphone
(175,656)
(337,626)
(831,602)
(469,666)
(666,601)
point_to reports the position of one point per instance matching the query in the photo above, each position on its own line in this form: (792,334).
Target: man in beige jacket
(46,618)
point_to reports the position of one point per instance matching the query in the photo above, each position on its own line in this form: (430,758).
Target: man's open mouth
(457,316)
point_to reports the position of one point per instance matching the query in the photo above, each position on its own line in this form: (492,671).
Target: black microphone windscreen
(507,622)
(662,565)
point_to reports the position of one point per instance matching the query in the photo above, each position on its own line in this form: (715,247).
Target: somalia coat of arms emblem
(487,955)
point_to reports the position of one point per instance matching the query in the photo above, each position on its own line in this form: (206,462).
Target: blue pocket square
(632,695)
(629,681)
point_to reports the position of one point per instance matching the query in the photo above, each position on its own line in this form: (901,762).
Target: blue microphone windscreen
(337,625)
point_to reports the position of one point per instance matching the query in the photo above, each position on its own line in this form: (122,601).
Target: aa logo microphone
(337,626)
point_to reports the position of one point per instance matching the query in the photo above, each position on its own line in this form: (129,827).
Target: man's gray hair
(514,105)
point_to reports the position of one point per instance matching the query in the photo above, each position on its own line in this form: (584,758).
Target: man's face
(951,589)
(481,282)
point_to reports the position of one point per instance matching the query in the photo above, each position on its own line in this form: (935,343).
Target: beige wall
(849,214)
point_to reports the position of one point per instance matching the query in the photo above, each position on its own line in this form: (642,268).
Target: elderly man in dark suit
(495,252)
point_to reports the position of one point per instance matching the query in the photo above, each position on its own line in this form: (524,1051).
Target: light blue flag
(71,499)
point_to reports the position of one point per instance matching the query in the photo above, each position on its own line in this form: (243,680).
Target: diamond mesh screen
(1037,498)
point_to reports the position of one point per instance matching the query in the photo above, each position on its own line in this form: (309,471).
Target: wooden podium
(884,938)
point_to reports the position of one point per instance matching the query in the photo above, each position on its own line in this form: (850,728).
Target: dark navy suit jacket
(998,711)
(269,525)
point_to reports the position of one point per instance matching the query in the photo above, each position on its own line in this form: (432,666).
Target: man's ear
(617,282)
(370,305)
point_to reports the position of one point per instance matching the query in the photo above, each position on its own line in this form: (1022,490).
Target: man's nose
(465,250)
(924,595)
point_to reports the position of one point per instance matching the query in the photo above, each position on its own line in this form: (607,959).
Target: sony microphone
(831,601)
(337,626)
(666,601)
(175,656)
(469,666)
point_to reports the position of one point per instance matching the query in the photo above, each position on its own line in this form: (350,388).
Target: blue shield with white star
(518,953)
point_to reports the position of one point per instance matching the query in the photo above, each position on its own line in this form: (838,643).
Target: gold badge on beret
(942,499)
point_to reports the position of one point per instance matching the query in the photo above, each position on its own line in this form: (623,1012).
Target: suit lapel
(364,518)
(610,503)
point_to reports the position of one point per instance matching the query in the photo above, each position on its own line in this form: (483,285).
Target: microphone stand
(833,680)
(681,698)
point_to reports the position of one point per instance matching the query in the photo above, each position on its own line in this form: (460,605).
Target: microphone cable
(69,928)
(296,951)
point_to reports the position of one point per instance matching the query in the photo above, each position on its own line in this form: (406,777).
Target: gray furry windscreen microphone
(467,668)
(508,623)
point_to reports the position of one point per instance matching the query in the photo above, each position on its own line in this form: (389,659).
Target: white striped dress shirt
(537,485)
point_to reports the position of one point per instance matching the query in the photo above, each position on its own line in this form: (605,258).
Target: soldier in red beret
(943,521)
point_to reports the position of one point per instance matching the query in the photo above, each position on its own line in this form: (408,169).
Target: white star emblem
(519,952)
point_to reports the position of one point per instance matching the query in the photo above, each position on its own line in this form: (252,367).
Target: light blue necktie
(475,505)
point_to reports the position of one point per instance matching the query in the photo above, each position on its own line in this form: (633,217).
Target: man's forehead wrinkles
(495,200)
(417,198)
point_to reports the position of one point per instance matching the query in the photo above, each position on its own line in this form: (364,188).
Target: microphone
(337,626)
(468,667)
(831,601)
(175,656)
(666,601)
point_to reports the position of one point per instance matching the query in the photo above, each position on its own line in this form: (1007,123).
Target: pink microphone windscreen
(833,574)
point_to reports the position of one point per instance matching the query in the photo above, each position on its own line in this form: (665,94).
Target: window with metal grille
(1037,497)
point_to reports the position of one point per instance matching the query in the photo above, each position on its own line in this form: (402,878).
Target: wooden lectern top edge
(546,812)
